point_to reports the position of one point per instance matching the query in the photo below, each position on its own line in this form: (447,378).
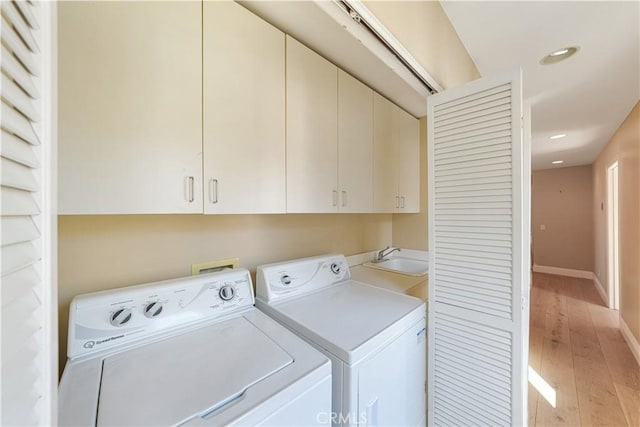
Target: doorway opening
(613,238)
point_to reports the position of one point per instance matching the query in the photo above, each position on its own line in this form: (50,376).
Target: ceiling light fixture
(559,55)
(558,136)
(558,162)
(559,52)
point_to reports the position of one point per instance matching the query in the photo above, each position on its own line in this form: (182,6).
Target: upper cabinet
(244,112)
(396,158)
(355,145)
(130,109)
(408,148)
(385,175)
(312,137)
(189,107)
(329,136)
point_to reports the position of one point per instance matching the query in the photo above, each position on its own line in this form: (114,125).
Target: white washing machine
(375,338)
(190,351)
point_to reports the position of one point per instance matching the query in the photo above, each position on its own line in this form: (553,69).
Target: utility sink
(410,267)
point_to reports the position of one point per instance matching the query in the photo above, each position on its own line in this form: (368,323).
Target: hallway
(577,348)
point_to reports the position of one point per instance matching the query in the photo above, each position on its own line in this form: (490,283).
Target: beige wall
(561,200)
(425,31)
(103,252)
(625,148)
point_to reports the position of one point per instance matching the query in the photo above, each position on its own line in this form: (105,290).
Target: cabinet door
(244,112)
(408,146)
(355,144)
(312,131)
(130,107)
(385,177)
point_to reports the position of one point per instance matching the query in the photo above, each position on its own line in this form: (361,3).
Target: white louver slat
(478,273)
(28,362)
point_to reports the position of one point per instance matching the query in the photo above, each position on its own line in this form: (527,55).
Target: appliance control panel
(103,320)
(298,277)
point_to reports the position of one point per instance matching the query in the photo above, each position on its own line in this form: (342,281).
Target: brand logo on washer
(89,344)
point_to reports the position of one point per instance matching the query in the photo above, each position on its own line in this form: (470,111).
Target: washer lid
(343,318)
(171,381)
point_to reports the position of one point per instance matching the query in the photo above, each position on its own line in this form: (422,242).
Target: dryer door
(392,384)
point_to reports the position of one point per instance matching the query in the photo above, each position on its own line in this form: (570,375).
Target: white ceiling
(588,95)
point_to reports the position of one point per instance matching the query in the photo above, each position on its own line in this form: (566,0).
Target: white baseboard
(600,289)
(631,340)
(563,271)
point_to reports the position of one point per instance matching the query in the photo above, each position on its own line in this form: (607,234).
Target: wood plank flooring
(576,347)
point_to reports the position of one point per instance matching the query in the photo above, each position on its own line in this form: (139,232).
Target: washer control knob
(285,280)
(120,317)
(227,293)
(336,268)
(153,309)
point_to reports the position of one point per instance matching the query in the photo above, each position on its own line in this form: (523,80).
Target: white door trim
(613,238)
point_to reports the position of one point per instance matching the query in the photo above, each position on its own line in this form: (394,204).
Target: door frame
(613,236)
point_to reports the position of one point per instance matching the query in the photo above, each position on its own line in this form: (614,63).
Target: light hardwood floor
(576,347)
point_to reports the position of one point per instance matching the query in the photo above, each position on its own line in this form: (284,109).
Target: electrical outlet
(213,266)
(543,227)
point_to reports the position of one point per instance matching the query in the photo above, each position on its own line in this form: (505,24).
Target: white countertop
(411,285)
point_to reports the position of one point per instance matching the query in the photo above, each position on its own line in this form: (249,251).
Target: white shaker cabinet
(130,110)
(244,112)
(396,158)
(355,145)
(408,154)
(312,131)
(385,174)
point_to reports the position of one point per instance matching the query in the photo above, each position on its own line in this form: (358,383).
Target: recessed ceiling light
(559,55)
(558,136)
(558,162)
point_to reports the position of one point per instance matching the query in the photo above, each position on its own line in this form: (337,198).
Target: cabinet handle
(401,202)
(344,198)
(213,191)
(335,197)
(191,196)
(397,202)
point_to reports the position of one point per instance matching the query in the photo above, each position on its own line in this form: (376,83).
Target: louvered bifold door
(28,376)
(477,245)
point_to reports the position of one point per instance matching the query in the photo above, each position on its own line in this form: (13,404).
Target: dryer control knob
(153,309)
(285,280)
(227,293)
(336,268)
(120,317)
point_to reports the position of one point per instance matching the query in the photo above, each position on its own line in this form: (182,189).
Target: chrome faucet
(381,255)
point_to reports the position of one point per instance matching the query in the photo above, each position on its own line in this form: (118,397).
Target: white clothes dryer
(191,351)
(375,338)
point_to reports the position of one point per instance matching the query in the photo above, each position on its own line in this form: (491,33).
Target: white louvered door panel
(478,241)
(27,221)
